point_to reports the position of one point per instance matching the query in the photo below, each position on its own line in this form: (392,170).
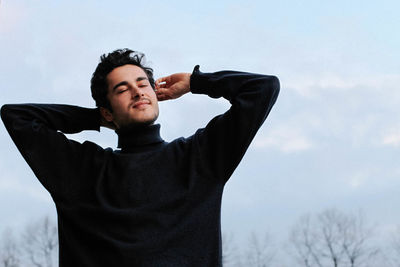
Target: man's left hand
(172,86)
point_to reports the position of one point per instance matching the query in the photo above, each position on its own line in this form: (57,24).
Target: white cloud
(356,110)
(10,183)
(371,177)
(12,16)
(18,188)
(392,139)
(358,179)
(284,139)
(310,86)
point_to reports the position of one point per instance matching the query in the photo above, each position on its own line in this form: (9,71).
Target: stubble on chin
(133,124)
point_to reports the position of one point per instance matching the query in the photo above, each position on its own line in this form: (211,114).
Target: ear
(107,115)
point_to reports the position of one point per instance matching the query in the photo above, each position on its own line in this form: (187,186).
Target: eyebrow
(138,79)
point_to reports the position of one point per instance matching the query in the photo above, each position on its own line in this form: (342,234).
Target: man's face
(131,96)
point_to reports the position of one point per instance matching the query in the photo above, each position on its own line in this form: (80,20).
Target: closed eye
(121,91)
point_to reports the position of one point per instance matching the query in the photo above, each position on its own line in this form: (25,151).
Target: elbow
(3,111)
(274,85)
(7,113)
(271,89)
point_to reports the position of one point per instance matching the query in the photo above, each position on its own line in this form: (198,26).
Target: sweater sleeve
(37,131)
(223,142)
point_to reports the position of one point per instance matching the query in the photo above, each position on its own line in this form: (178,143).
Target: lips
(141,103)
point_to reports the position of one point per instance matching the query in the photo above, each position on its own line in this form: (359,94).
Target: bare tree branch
(330,225)
(9,254)
(332,239)
(395,245)
(230,254)
(260,252)
(355,238)
(40,242)
(303,240)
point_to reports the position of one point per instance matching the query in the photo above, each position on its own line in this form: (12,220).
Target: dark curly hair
(117,58)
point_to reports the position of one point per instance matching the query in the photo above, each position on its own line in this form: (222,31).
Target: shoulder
(92,147)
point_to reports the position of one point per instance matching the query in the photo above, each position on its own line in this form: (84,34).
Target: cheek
(121,100)
(152,95)
(151,91)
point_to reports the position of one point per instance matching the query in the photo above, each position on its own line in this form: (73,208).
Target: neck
(131,138)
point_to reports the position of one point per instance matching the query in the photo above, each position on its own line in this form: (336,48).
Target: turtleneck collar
(138,137)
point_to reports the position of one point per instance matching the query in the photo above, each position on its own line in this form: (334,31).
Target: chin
(148,121)
(138,123)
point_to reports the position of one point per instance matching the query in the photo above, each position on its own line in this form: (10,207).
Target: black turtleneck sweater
(151,203)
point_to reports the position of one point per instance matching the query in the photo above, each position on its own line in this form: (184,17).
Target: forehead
(125,73)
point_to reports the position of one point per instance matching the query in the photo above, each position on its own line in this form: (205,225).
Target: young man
(149,203)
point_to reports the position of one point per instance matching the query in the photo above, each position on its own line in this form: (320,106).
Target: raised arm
(37,131)
(223,142)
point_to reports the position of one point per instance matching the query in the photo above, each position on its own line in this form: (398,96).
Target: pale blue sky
(332,139)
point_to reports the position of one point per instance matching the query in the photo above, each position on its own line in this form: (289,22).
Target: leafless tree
(303,240)
(332,238)
(356,237)
(330,226)
(230,254)
(260,252)
(395,246)
(40,243)
(9,253)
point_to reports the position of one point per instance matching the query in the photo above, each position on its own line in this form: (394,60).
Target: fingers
(162,96)
(161,88)
(162,82)
(161,92)
(172,86)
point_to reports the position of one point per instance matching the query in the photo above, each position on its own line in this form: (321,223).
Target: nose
(136,92)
